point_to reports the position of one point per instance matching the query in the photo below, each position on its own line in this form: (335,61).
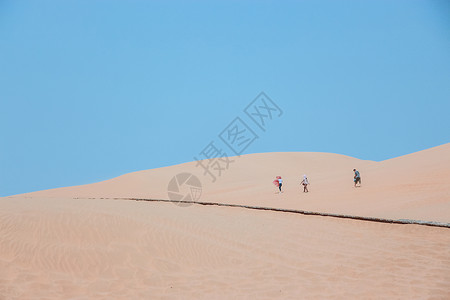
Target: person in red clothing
(278,182)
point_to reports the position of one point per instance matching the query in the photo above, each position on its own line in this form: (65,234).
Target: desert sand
(414,186)
(69,243)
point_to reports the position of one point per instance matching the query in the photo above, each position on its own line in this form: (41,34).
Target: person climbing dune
(278,182)
(357,177)
(305,184)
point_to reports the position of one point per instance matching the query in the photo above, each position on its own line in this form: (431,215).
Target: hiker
(357,177)
(280,182)
(305,183)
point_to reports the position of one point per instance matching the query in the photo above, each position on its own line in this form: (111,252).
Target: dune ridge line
(295,211)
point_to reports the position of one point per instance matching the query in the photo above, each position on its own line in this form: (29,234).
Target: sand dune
(115,249)
(68,243)
(415,186)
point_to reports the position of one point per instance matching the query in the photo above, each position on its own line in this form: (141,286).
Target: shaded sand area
(62,248)
(414,186)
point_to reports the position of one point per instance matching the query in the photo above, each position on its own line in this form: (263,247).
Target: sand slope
(58,248)
(415,186)
(58,244)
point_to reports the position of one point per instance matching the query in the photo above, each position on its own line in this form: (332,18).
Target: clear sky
(90,90)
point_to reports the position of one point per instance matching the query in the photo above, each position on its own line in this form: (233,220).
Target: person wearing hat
(305,183)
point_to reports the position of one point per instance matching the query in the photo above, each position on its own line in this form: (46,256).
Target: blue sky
(90,90)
